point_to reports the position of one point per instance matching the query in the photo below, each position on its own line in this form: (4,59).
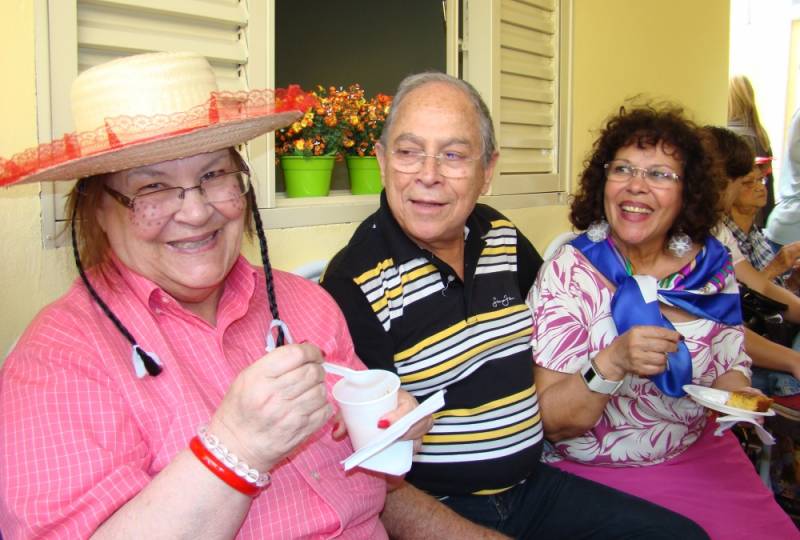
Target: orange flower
(336,121)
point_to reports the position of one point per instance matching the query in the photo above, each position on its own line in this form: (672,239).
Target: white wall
(759,48)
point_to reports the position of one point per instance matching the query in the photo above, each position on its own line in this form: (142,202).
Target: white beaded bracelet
(221,452)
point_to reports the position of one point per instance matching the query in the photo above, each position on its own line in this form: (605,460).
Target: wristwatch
(597,383)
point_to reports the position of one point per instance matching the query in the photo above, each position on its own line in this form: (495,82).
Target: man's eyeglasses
(155,201)
(659,177)
(450,164)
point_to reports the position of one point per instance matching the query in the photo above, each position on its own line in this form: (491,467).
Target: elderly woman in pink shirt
(166,330)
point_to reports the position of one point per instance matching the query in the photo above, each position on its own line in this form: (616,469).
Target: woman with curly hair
(641,304)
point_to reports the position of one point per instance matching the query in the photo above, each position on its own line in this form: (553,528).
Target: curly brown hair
(647,126)
(728,151)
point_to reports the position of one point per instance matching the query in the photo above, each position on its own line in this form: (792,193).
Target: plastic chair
(557,242)
(312,270)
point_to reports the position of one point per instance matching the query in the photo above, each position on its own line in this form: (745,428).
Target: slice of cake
(749,402)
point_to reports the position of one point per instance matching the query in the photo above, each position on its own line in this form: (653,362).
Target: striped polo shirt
(409,312)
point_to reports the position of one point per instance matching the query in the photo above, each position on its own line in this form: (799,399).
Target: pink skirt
(712,483)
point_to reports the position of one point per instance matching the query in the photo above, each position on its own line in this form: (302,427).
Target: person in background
(639,305)
(169,328)
(777,367)
(432,286)
(751,196)
(783,226)
(744,121)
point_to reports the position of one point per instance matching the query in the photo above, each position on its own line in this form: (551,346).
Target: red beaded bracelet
(221,471)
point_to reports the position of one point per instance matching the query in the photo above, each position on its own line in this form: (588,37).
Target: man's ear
(488,172)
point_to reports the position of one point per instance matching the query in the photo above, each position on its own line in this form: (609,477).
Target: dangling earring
(597,231)
(679,244)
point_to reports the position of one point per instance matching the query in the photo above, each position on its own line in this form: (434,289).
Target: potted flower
(308,148)
(363,121)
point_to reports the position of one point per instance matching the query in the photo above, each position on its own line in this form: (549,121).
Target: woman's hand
(273,405)
(405,404)
(642,350)
(786,259)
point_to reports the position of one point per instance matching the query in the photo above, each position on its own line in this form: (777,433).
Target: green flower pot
(307,176)
(365,175)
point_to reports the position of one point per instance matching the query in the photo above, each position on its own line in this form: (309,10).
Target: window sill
(342,207)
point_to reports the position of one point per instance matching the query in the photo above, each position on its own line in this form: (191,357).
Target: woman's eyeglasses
(753,183)
(155,201)
(659,176)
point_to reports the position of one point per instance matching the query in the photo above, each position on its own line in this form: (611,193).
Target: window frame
(479,48)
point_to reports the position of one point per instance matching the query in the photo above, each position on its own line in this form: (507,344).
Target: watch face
(597,383)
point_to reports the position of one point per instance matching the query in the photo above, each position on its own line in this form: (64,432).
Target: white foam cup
(362,405)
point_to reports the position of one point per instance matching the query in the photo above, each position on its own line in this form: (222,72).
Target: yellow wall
(676,49)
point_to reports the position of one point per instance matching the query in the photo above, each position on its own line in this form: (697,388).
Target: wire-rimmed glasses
(659,176)
(153,202)
(450,163)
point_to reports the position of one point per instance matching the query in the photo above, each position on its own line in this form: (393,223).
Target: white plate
(395,459)
(387,454)
(715,399)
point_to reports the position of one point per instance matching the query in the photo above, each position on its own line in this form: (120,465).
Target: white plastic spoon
(727,421)
(360,378)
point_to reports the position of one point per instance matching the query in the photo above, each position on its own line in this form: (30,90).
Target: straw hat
(150,108)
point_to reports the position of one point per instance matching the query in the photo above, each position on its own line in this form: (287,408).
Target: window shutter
(528,126)
(109,29)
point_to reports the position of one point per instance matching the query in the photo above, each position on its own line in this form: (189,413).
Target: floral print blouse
(640,426)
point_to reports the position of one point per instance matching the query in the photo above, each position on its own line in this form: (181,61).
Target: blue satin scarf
(706,288)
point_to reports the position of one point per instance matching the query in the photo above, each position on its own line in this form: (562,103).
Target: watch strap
(597,383)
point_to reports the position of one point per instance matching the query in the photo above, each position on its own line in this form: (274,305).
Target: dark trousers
(553,504)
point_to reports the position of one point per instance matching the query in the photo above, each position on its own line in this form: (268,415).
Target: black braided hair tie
(144,363)
(273,301)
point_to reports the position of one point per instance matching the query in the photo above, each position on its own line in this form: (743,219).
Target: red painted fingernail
(336,426)
(383,423)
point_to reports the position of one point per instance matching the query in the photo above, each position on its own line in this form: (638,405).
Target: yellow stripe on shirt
(441,367)
(452,330)
(483,435)
(489,406)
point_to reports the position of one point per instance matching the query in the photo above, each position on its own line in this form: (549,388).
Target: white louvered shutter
(109,29)
(528,129)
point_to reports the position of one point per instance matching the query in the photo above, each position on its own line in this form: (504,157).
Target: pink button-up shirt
(80,435)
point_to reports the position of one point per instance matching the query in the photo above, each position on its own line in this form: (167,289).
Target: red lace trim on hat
(122,131)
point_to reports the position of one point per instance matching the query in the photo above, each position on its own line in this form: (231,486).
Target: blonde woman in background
(744,121)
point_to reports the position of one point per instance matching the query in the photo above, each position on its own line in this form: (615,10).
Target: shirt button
(315,475)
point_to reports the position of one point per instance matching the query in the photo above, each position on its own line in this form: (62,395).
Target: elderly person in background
(751,197)
(166,330)
(432,286)
(641,304)
(777,367)
(743,119)
(743,181)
